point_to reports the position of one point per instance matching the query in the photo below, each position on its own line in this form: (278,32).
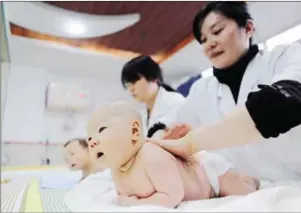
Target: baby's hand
(126,201)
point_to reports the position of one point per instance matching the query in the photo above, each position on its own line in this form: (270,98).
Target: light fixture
(287,37)
(75,27)
(55,21)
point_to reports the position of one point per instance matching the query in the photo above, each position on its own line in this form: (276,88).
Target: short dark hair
(83,142)
(237,11)
(143,66)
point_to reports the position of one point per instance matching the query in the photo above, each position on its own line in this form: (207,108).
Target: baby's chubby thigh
(214,166)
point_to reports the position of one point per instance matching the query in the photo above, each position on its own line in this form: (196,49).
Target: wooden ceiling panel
(163,28)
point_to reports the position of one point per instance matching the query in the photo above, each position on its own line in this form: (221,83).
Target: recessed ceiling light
(75,27)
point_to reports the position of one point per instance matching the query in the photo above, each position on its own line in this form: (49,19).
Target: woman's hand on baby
(178,131)
(126,201)
(179,147)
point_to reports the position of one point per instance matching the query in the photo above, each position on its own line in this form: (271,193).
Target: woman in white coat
(250,110)
(142,77)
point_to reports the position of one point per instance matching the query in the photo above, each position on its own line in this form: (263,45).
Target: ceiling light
(55,21)
(75,27)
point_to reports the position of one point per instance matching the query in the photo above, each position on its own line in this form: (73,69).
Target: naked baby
(144,173)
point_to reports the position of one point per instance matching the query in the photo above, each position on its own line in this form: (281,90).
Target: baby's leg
(235,183)
(223,178)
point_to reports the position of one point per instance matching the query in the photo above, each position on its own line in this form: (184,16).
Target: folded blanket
(56,181)
(97,194)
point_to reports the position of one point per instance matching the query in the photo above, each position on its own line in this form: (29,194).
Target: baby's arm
(235,183)
(164,174)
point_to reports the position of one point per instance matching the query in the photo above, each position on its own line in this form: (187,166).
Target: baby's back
(135,182)
(195,181)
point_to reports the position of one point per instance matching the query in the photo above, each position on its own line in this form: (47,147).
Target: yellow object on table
(5,181)
(32,200)
(24,168)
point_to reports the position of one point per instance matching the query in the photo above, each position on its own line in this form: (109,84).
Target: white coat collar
(154,114)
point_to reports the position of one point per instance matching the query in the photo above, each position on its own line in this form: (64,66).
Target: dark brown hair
(143,66)
(235,10)
(83,142)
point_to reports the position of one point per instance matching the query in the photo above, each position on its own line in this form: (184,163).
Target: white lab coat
(209,101)
(166,104)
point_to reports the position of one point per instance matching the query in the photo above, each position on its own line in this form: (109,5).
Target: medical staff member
(142,77)
(249,111)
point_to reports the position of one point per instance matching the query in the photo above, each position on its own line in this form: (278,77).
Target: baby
(77,156)
(144,173)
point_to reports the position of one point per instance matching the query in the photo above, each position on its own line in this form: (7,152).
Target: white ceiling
(270,18)
(64,59)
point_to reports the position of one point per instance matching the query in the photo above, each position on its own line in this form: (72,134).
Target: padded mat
(44,200)
(35,191)
(12,193)
(53,200)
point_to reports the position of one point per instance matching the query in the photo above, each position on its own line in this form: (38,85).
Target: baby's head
(114,135)
(76,154)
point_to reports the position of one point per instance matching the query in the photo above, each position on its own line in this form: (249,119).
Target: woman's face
(142,90)
(76,156)
(223,41)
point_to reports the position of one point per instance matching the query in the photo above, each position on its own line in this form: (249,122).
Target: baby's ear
(135,132)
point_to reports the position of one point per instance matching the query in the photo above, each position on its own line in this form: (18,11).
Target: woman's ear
(135,132)
(250,28)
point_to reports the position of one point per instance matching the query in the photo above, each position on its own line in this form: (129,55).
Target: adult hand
(220,135)
(178,147)
(178,131)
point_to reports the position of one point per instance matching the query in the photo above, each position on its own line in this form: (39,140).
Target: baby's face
(76,156)
(109,142)
(113,131)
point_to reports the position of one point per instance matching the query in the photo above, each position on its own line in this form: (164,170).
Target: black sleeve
(276,109)
(156,127)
